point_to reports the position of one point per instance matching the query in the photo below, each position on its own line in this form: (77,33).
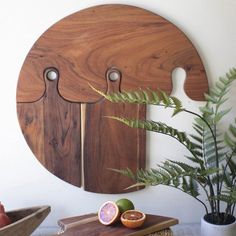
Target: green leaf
(197,138)
(224,81)
(207,110)
(126,172)
(214,91)
(155,97)
(195,159)
(221,114)
(138,97)
(165,98)
(184,166)
(220,86)
(232,129)
(208,171)
(220,102)
(229,141)
(201,145)
(210,98)
(145,96)
(193,188)
(232,167)
(176,102)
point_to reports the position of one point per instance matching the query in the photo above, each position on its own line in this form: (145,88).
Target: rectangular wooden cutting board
(89,225)
(108,144)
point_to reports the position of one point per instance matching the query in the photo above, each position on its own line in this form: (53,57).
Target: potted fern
(212,154)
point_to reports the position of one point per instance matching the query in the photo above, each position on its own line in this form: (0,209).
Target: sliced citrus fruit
(133,218)
(108,213)
(124,204)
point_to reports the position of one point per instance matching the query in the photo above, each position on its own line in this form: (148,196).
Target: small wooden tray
(89,225)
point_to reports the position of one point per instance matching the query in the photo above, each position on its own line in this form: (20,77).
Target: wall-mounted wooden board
(82,47)
(110,144)
(51,127)
(142,45)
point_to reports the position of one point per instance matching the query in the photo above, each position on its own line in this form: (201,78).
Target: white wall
(210,24)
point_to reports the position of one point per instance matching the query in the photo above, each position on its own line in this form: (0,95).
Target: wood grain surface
(51,127)
(111,144)
(142,45)
(82,47)
(89,225)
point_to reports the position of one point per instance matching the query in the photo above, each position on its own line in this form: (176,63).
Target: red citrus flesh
(108,213)
(133,218)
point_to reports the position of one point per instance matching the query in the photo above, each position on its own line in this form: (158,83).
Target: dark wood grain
(110,144)
(145,48)
(51,127)
(142,45)
(93,227)
(30,117)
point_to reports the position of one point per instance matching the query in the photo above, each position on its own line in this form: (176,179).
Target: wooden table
(178,230)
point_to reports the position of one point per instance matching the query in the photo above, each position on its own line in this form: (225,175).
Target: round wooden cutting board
(54,96)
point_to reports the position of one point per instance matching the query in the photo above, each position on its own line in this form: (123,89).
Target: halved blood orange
(133,218)
(108,213)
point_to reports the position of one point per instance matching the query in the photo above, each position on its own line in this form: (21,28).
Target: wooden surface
(82,47)
(24,221)
(110,144)
(51,127)
(192,229)
(89,225)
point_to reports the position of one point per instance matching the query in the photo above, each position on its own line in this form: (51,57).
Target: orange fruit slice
(108,213)
(133,218)
(124,204)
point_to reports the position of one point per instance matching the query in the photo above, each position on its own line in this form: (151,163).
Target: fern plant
(213,155)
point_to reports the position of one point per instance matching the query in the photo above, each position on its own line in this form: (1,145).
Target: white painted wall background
(210,24)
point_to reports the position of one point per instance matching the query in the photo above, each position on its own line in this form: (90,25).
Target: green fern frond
(165,98)
(216,97)
(230,136)
(209,171)
(148,96)
(193,187)
(196,159)
(215,178)
(211,160)
(227,180)
(207,111)
(158,127)
(166,175)
(232,167)
(198,128)
(169,169)
(232,130)
(229,141)
(220,115)
(228,195)
(208,150)
(126,172)
(187,168)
